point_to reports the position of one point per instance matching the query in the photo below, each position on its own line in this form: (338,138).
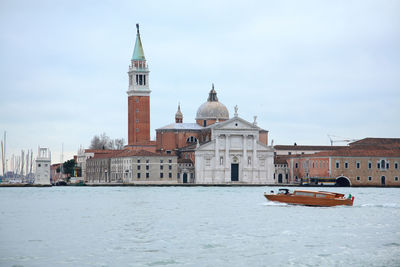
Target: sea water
(194,226)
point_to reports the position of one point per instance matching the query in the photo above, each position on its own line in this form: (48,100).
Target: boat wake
(279,204)
(384,205)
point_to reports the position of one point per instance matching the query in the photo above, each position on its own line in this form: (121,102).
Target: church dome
(212,109)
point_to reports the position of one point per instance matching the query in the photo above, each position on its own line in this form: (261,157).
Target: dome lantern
(211,111)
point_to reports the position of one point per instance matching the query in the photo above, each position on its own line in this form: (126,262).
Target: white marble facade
(234,155)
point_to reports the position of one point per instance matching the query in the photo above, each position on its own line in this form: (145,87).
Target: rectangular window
(161,175)
(170,161)
(161,167)
(358,178)
(337,164)
(138,167)
(369,178)
(161,161)
(296,165)
(138,161)
(147,167)
(178,175)
(169,167)
(369,165)
(396,179)
(170,175)
(396,165)
(387,165)
(346,165)
(378,165)
(138,175)
(144,79)
(358,164)
(289,153)
(147,161)
(147,175)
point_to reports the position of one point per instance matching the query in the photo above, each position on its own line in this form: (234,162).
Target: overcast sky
(305,68)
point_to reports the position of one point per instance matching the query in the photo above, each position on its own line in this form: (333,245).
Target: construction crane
(342,139)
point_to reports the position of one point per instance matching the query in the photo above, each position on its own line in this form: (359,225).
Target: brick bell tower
(138,97)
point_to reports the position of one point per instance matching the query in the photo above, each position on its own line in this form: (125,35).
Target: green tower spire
(138,53)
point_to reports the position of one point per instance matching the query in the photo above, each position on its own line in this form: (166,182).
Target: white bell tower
(43,162)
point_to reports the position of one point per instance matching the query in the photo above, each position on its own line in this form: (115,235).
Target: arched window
(191,139)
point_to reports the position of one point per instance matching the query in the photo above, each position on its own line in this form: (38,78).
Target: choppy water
(194,226)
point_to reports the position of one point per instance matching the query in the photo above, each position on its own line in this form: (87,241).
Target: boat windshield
(283,191)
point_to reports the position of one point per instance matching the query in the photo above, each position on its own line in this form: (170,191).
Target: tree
(119,143)
(95,143)
(105,142)
(68,167)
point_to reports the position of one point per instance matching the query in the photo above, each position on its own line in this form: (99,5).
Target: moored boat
(310,198)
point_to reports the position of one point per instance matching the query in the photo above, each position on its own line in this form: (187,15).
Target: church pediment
(236,123)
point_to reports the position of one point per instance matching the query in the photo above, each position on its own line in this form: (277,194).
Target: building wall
(355,169)
(263,137)
(281,174)
(146,170)
(172,140)
(186,171)
(138,119)
(309,167)
(364,172)
(42,173)
(98,170)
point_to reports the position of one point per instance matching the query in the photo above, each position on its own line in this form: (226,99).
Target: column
(245,163)
(217,152)
(227,151)
(253,162)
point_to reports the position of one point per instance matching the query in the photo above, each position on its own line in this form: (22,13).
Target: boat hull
(310,201)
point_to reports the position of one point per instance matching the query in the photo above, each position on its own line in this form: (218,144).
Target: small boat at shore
(310,198)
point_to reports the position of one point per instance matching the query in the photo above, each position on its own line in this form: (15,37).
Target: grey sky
(305,68)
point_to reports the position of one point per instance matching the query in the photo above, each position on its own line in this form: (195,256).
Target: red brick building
(368,162)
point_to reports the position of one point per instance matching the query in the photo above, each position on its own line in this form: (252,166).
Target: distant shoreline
(186,185)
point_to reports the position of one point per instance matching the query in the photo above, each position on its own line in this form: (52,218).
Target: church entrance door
(185,178)
(234,172)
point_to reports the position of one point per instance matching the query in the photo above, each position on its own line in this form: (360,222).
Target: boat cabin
(319,194)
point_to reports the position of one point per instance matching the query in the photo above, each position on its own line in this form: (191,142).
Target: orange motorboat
(310,198)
